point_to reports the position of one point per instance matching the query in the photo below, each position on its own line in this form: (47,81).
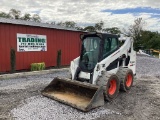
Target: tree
(99,26)
(155,42)
(4,15)
(89,29)
(135,31)
(26,16)
(79,28)
(113,30)
(15,14)
(145,39)
(53,23)
(68,24)
(150,40)
(60,24)
(36,18)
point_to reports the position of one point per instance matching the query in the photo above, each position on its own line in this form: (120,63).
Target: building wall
(67,41)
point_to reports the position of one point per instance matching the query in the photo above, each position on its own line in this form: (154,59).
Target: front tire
(111,84)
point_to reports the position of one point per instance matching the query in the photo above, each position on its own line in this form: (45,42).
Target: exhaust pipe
(80,95)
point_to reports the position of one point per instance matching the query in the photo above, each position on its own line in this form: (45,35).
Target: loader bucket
(80,95)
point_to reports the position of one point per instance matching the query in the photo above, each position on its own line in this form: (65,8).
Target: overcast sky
(115,13)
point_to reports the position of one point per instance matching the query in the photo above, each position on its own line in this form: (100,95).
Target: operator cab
(95,47)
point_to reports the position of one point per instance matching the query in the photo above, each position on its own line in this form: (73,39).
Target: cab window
(110,45)
(114,44)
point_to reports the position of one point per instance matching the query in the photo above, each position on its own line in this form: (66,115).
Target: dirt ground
(141,102)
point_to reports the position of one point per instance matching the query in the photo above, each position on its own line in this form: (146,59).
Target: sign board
(31,42)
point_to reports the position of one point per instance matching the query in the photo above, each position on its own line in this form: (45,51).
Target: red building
(55,37)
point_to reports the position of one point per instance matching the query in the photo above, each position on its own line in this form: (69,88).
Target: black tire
(126,79)
(111,84)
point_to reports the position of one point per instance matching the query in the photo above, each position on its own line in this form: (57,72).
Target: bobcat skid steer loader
(102,68)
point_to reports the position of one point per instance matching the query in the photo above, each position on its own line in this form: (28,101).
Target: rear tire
(111,84)
(126,78)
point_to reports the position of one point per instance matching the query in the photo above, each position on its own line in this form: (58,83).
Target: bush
(43,66)
(37,66)
(13,59)
(58,58)
(33,66)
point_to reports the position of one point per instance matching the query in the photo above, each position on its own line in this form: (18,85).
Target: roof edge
(35,24)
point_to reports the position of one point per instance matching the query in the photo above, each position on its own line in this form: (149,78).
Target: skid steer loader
(103,67)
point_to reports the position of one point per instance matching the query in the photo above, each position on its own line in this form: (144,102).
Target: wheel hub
(129,80)
(112,87)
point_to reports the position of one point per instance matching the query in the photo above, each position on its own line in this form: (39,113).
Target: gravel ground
(20,98)
(147,66)
(43,108)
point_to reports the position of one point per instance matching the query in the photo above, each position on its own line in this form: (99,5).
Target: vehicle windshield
(90,53)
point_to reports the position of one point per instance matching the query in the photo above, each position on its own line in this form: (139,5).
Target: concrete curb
(23,74)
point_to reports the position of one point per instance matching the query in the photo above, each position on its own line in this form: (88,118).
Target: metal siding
(20,56)
(6,44)
(1,60)
(67,41)
(12,37)
(2,46)
(54,47)
(73,44)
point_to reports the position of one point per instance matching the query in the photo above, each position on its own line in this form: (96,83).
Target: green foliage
(68,24)
(89,29)
(37,66)
(58,58)
(36,18)
(79,28)
(12,59)
(135,32)
(4,15)
(16,14)
(150,40)
(43,66)
(33,66)
(26,16)
(99,26)
(113,30)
